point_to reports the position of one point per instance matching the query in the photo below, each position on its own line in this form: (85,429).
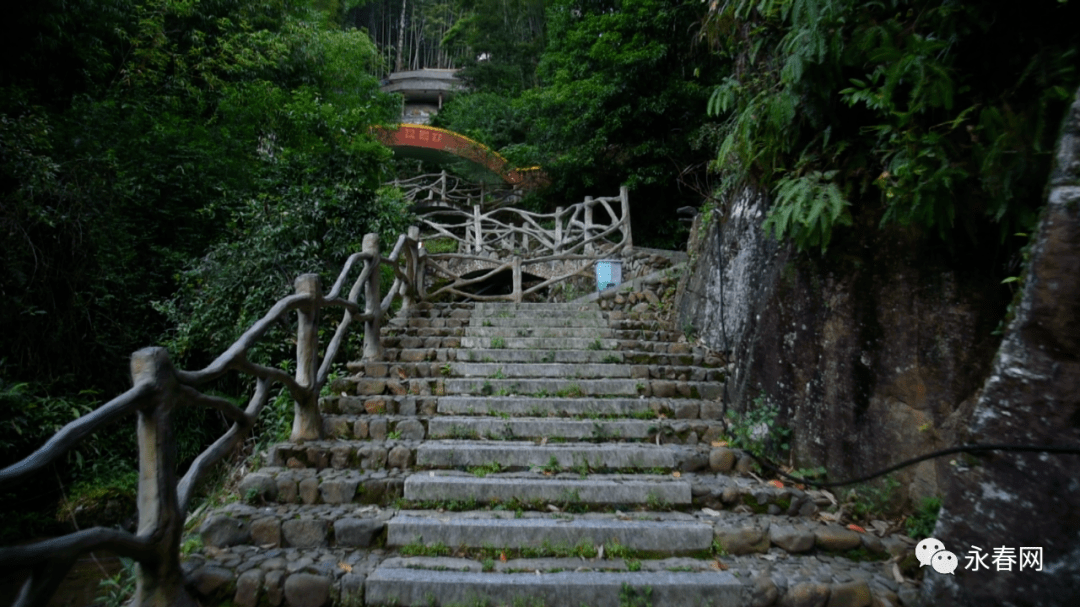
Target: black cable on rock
(766,463)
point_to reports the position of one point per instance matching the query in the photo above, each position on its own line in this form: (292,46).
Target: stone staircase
(532,454)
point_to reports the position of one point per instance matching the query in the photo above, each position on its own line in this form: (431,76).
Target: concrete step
(551,457)
(401,583)
(670,533)
(631,489)
(576,388)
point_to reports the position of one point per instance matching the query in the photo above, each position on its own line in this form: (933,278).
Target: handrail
(455,191)
(573,235)
(159,389)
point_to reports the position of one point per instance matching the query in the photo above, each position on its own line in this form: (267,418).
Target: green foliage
(921,524)
(874,500)
(758,431)
(922,113)
(117,590)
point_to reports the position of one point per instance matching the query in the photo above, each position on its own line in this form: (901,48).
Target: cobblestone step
(528,487)
(655,533)
(585,356)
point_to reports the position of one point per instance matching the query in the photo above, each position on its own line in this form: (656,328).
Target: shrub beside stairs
(533,455)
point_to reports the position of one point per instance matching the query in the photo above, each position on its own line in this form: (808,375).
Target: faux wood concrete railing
(159,389)
(520,241)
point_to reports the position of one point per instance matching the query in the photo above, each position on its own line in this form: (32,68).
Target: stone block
(248,588)
(791,538)
(377,429)
(853,594)
(222,531)
(722,459)
(266,531)
(805,594)
(834,537)
(743,540)
(309,490)
(211,581)
(307,590)
(712,410)
(304,533)
(410,429)
(286,488)
(338,490)
(258,488)
(339,456)
(399,457)
(272,587)
(368,387)
(686,411)
(360,428)
(663,389)
(354,532)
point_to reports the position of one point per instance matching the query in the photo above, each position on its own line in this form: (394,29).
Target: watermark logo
(932,552)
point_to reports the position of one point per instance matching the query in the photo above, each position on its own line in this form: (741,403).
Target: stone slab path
(533,455)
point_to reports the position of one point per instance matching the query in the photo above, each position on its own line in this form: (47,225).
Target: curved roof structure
(432,143)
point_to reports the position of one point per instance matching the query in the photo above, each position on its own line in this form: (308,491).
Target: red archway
(422,137)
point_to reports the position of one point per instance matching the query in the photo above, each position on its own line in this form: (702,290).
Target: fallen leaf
(777,484)
(719,566)
(855,527)
(676,474)
(709,512)
(502,556)
(347,568)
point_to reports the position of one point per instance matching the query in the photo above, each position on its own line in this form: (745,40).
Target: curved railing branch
(159,389)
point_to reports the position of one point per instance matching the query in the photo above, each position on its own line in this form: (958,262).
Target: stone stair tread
(504,487)
(570,355)
(511,454)
(583,387)
(658,536)
(409,586)
(538,427)
(556,406)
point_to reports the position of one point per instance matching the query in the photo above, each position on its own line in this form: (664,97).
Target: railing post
(479,243)
(408,295)
(307,422)
(160,582)
(372,300)
(558,230)
(421,271)
(443,189)
(628,238)
(517,279)
(588,224)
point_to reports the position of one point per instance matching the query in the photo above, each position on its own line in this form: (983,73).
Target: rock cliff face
(1032,396)
(874,352)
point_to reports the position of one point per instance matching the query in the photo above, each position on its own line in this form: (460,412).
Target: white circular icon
(945,562)
(925,550)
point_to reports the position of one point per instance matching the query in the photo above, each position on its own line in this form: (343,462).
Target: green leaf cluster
(935,115)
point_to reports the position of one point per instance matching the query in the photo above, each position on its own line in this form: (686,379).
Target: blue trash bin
(608,273)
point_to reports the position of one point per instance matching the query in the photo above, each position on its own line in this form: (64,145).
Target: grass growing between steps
(585,549)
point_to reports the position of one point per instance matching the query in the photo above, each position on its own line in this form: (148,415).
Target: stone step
(536,343)
(608,370)
(545,427)
(574,388)
(658,533)
(551,457)
(536,370)
(583,357)
(514,322)
(552,406)
(295,577)
(401,583)
(497,308)
(444,486)
(534,331)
